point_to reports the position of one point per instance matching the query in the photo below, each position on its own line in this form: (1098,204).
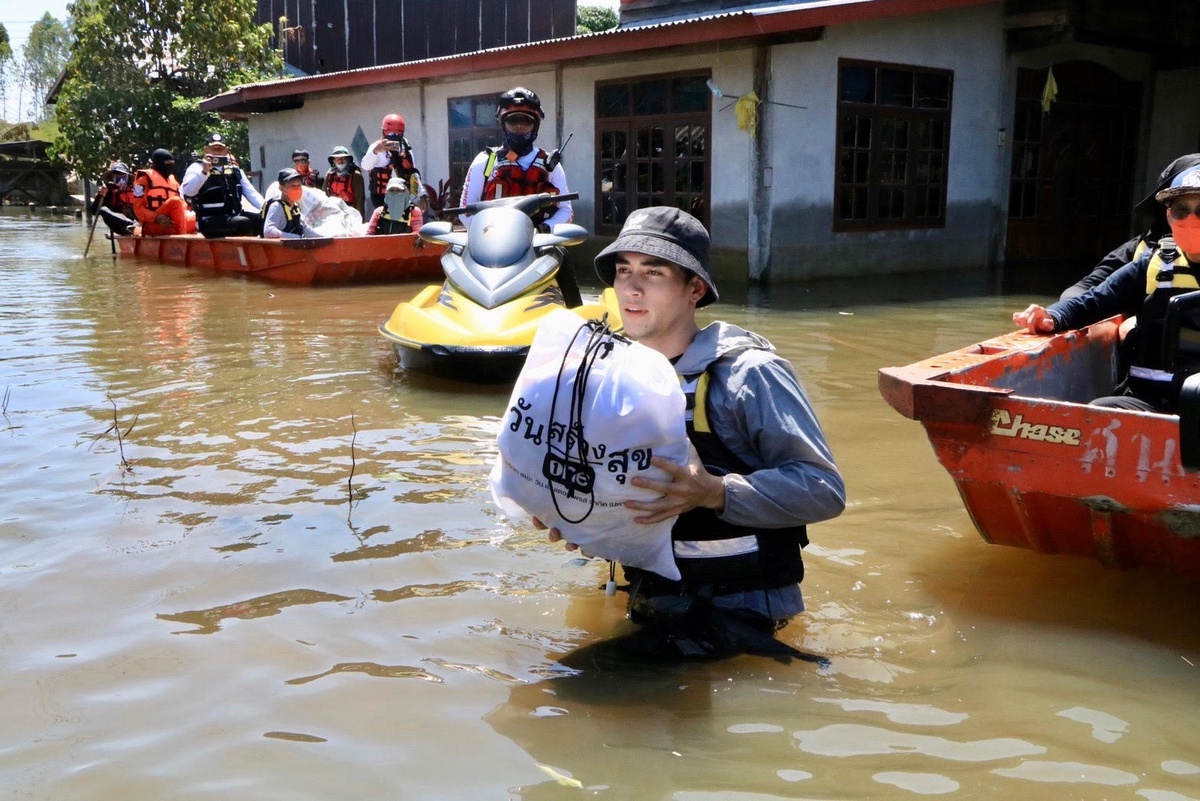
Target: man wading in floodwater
(760,470)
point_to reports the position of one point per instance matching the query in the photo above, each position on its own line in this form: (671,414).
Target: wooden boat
(1038,468)
(352,259)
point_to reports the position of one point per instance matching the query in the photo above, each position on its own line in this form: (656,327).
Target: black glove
(543,228)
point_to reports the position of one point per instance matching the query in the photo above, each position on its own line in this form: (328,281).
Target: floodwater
(242,558)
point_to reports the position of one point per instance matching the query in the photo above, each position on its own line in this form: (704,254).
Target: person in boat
(398,213)
(1129,251)
(308,176)
(345,179)
(1143,288)
(281,215)
(220,192)
(157,202)
(760,469)
(517,167)
(114,200)
(390,156)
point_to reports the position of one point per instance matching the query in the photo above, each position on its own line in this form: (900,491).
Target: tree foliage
(6,59)
(593,19)
(139,69)
(44,54)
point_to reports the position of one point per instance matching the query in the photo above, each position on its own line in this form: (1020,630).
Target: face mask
(396,204)
(1187,236)
(293,193)
(165,169)
(342,168)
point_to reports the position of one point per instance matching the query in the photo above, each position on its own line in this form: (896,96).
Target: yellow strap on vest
(491,163)
(700,410)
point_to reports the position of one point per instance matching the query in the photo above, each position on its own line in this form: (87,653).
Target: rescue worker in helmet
(1143,288)
(220,193)
(281,215)
(397,214)
(1148,207)
(518,167)
(114,200)
(345,179)
(308,176)
(390,156)
(156,198)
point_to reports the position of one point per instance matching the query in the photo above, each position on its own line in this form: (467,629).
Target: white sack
(629,407)
(330,216)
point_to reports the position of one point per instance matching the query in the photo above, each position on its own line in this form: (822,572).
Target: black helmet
(519,100)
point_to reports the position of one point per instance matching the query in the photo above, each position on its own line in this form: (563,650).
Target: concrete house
(882,136)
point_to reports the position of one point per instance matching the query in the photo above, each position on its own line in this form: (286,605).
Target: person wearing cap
(1129,251)
(397,214)
(390,156)
(1143,288)
(221,194)
(114,200)
(345,179)
(517,167)
(157,203)
(308,176)
(281,215)
(760,470)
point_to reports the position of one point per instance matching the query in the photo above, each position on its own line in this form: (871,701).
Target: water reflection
(329,520)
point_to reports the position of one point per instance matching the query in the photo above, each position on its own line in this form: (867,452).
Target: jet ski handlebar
(529,204)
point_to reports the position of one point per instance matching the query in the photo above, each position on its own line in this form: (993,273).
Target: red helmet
(393,124)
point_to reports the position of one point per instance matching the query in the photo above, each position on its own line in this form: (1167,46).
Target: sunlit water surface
(241,557)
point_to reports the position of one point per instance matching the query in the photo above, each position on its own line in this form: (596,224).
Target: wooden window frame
(869,194)
(678,162)
(466,142)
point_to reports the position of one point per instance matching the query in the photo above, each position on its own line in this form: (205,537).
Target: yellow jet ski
(478,324)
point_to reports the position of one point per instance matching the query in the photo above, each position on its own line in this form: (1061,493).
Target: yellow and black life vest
(1168,274)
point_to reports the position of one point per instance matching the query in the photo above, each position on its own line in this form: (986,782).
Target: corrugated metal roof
(664,34)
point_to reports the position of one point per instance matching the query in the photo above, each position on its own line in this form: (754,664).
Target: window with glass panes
(893,144)
(652,146)
(472,128)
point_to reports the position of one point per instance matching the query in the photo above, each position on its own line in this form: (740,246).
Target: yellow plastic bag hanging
(746,109)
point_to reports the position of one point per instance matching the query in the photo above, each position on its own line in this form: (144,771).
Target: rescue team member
(281,215)
(308,177)
(760,469)
(518,168)
(156,200)
(216,187)
(1147,207)
(397,214)
(344,179)
(390,157)
(1142,287)
(114,200)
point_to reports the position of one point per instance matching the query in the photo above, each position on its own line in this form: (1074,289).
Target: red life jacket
(398,160)
(340,185)
(506,178)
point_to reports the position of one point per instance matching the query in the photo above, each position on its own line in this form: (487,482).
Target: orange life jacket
(340,185)
(151,190)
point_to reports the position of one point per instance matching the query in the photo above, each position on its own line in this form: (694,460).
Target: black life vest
(711,551)
(387,224)
(291,214)
(1168,274)
(221,193)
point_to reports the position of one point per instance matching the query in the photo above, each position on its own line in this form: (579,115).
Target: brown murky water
(299,587)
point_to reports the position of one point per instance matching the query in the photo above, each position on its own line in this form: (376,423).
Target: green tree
(139,69)
(593,19)
(43,54)
(6,64)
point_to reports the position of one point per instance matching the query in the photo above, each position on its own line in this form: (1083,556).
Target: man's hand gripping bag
(588,411)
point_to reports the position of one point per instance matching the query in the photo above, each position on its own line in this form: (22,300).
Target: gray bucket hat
(668,233)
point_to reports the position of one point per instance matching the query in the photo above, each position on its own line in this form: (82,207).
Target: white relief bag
(588,411)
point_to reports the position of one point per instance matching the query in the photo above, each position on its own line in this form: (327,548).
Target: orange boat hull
(1037,467)
(358,259)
